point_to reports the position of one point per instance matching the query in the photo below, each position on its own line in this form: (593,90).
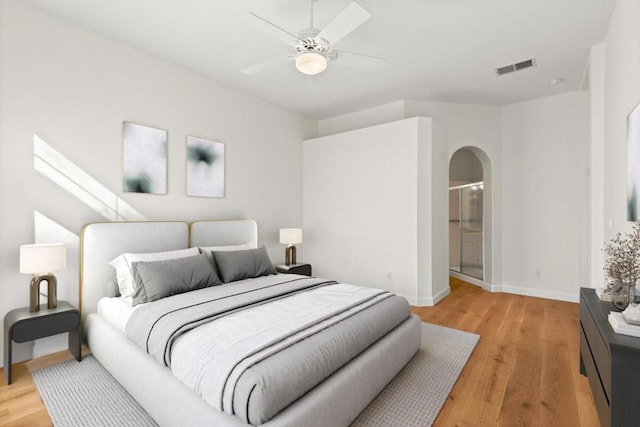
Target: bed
(334,401)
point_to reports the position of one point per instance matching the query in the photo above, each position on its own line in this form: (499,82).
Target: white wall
(542,145)
(364,118)
(464,124)
(360,206)
(73,88)
(367,207)
(478,126)
(618,73)
(596,167)
(433,195)
(544,172)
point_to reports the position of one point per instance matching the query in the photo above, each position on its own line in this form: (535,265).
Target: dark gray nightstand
(303,269)
(21,325)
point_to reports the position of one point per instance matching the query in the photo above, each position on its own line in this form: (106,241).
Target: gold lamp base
(290,255)
(34,291)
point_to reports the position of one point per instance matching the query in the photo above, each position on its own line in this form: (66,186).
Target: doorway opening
(466,215)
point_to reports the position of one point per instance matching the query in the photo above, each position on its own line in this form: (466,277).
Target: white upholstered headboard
(102,242)
(224,233)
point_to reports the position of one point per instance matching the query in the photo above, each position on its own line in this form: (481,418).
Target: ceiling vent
(516,67)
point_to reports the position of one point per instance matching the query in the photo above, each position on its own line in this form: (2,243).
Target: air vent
(516,67)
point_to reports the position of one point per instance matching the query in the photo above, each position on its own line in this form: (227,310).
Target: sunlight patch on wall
(52,164)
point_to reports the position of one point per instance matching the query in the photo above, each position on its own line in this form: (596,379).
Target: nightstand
(21,325)
(303,269)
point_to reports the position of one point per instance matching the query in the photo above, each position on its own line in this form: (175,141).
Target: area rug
(85,394)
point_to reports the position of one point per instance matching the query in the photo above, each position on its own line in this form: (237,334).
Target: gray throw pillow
(158,279)
(247,264)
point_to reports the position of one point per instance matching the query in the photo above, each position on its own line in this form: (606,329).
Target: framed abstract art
(205,167)
(144,154)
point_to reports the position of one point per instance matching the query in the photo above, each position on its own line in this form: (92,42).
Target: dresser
(611,362)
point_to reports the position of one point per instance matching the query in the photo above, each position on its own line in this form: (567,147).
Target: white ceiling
(439,50)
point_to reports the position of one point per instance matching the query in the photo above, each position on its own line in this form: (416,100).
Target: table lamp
(290,237)
(40,260)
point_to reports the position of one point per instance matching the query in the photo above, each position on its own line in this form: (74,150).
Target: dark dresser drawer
(28,330)
(599,349)
(597,389)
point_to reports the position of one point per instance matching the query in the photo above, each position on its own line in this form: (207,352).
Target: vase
(626,296)
(632,294)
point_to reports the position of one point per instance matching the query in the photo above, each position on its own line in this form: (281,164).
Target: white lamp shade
(43,258)
(290,236)
(311,63)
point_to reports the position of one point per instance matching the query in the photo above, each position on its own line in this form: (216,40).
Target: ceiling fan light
(311,63)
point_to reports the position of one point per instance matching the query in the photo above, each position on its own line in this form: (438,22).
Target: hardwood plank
(521,401)
(556,388)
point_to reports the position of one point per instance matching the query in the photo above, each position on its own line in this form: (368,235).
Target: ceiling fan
(314,47)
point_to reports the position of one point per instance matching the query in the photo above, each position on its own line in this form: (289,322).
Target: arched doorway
(469,216)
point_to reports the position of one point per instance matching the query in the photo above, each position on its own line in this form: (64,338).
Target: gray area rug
(418,392)
(85,394)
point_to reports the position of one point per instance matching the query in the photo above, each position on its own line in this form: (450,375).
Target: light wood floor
(523,372)
(20,403)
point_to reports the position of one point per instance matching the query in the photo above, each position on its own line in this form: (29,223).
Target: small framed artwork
(633,164)
(205,167)
(144,154)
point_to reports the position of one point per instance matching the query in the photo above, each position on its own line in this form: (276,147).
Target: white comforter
(227,346)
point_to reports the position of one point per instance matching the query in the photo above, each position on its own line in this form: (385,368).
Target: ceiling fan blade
(360,61)
(269,28)
(345,22)
(266,65)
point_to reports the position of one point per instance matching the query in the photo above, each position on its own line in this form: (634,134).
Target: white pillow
(207,249)
(122,264)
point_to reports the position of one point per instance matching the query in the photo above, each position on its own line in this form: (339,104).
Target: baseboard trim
(468,279)
(508,289)
(539,293)
(517,290)
(431,301)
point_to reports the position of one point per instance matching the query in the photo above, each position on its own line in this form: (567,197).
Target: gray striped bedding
(253,347)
